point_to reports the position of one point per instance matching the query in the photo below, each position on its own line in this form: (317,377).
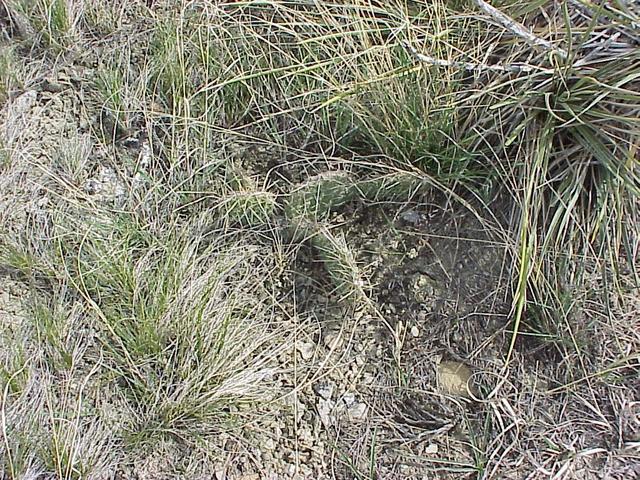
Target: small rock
(406,470)
(411,216)
(349,399)
(424,288)
(357,411)
(269,444)
(42,202)
(51,86)
(453,378)
(325,407)
(306,350)
(131,142)
(332,340)
(219,472)
(324,390)
(430,449)
(74,75)
(92,186)
(305,437)
(305,472)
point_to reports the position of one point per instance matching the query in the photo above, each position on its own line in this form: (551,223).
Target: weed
(55,21)
(9,72)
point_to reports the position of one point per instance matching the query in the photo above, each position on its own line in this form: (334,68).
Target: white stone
(431,449)
(306,350)
(324,390)
(269,444)
(349,399)
(332,340)
(325,407)
(357,411)
(368,378)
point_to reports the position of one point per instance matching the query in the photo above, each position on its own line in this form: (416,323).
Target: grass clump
(173,327)
(56,22)
(567,139)
(10,75)
(177,324)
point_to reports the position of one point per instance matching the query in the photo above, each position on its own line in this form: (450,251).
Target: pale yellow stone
(453,379)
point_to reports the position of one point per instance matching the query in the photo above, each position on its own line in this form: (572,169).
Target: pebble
(357,411)
(332,340)
(453,378)
(349,399)
(52,86)
(324,390)
(430,449)
(306,350)
(411,216)
(4,298)
(325,407)
(368,378)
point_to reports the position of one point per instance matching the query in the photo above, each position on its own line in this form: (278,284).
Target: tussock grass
(9,72)
(56,22)
(170,327)
(558,134)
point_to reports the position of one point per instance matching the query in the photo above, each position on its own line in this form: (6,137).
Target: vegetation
(162,311)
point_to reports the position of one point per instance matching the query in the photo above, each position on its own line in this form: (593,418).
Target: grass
(261,127)
(9,77)
(54,21)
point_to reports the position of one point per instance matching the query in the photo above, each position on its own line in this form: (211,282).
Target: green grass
(9,72)
(55,21)
(176,322)
(173,326)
